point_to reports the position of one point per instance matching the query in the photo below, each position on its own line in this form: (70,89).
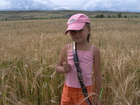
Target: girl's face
(80,36)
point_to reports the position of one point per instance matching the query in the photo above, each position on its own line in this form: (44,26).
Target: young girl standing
(89,63)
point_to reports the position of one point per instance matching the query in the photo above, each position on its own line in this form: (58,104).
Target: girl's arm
(97,72)
(63,66)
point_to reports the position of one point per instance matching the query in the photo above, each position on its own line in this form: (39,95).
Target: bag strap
(79,73)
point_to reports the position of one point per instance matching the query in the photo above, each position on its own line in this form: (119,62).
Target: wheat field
(29,51)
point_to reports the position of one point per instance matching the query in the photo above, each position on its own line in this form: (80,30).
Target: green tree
(97,16)
(109,16)
(101,16)
(113,16)
(119,15)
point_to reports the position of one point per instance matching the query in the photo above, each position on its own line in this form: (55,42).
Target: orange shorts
(74,96)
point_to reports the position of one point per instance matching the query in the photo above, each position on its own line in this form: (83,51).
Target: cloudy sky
(90,5)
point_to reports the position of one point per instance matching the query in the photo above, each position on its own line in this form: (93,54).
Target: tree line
(119,15)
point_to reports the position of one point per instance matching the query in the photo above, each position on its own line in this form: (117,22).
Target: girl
(89,57)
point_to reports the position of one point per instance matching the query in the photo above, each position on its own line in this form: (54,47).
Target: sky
(86,5)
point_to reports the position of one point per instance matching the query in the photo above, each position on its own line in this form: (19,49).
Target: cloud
(4,5)
(92,5)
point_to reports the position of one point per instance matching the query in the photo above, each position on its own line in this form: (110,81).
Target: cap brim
(75,26)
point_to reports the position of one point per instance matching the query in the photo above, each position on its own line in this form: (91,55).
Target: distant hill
(37,14)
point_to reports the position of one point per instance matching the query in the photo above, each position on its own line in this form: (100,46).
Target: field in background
(37,14)
(29,51)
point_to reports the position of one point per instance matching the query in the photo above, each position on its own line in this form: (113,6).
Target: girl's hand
(97,101)
(66,67)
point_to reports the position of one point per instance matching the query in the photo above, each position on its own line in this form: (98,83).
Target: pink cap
(77,22)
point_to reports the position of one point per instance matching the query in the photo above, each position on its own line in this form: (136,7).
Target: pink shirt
(86,65)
